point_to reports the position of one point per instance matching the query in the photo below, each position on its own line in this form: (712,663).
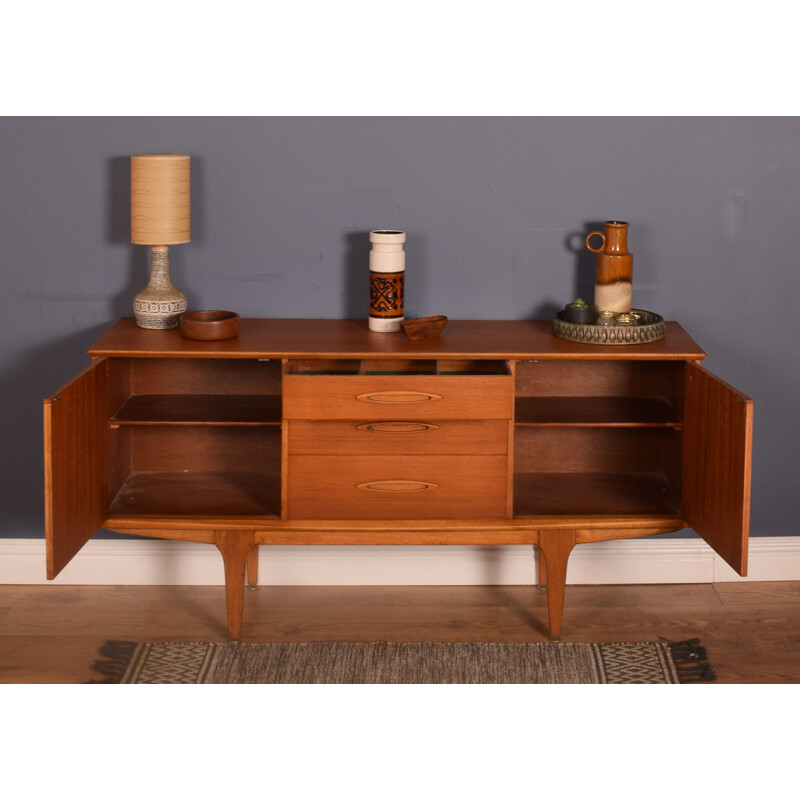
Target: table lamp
(160,216)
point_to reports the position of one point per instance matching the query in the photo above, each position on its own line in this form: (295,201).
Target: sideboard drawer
(390,397)
(398,437)
(397,487)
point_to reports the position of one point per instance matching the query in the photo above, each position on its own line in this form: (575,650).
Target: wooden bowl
(424,327)
(210,326)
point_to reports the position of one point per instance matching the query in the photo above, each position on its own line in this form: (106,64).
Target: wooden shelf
(590,493)
(199,409)
(198,494)
(644,412)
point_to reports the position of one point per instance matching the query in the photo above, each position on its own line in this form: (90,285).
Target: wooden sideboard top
(338,338)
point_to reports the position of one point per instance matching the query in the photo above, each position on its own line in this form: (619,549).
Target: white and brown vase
(387,272)
(613,281)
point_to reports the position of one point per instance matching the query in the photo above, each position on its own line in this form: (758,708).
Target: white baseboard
(157,562)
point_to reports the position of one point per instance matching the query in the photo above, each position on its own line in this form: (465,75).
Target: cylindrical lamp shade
(160,200)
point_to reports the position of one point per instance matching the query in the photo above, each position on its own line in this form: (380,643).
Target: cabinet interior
(154,391)
(599,392)
(203,436)
(598,437)
(195,437)
(396,366)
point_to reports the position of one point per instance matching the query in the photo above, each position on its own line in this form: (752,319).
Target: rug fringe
(117,656)
(691,661)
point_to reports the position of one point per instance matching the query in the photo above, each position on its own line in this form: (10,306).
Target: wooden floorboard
(52,634)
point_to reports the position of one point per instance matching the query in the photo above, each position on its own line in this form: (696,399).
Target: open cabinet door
(717,451)
(75,465)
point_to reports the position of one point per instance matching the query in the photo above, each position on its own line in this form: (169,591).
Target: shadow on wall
(585,262)
(584,275)
(118,200)
(118,231)
(356,275)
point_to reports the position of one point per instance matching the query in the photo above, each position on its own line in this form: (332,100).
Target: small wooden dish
(424,327)
(210,326)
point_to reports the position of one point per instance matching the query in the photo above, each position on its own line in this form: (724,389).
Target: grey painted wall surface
(495,208)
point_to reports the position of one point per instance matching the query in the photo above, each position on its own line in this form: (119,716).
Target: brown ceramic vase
(613,281)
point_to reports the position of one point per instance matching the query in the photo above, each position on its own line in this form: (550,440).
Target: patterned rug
(403,662)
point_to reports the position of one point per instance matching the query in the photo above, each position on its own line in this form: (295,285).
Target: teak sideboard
(323,432)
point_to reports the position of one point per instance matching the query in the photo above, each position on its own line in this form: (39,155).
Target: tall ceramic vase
(387,273)
(613,282)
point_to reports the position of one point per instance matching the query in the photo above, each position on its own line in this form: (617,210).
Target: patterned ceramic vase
(387,273)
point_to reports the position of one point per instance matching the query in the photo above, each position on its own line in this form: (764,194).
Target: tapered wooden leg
(555,547)
(252,567)
(541,569)
(235,547)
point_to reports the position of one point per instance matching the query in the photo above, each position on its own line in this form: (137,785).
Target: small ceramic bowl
(210,326)
(424,327)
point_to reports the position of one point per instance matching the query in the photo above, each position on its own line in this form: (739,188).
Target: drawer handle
(398,397)
(397,427)
(397,486)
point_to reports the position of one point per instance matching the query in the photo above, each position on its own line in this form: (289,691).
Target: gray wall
(495,209)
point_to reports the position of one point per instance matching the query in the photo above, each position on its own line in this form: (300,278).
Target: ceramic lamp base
(160,305)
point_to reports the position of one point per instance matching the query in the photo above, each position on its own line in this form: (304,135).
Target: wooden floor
(52,634)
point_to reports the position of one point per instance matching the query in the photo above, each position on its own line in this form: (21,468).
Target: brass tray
(650,328)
